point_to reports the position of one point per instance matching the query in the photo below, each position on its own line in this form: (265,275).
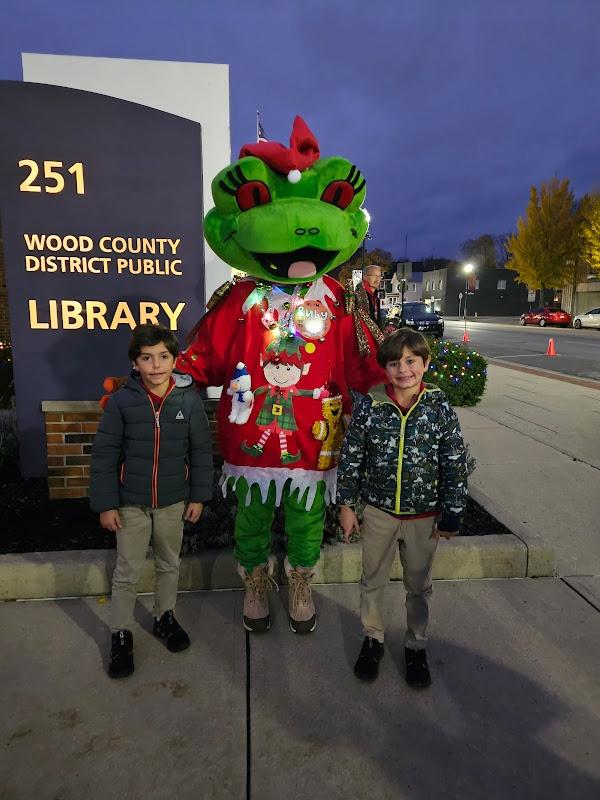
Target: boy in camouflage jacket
(403,456)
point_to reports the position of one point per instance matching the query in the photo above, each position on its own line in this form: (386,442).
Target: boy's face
(155,365)
(407,372)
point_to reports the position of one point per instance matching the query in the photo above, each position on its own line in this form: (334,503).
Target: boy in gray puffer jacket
(151,471)
(404,456)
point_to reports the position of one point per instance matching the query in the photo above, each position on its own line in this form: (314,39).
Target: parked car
(546,316)
(591,319)
(419,316)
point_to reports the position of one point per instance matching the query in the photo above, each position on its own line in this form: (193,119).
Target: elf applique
(283,367)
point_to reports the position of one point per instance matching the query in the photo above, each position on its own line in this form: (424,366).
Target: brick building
(492,292)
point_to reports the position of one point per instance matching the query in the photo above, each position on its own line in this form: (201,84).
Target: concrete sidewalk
(512,712)
(536,441)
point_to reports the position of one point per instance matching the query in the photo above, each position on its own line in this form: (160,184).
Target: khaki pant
(380,532)
(165,527)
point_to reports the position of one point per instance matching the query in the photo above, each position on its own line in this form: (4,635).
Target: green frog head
(284,214)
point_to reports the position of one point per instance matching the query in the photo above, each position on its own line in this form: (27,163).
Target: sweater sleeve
(453,470)
(362,371)
(207,358)
(353,457)
(106,458)
(200,453)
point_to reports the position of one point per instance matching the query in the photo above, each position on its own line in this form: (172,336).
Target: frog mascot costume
(286,218)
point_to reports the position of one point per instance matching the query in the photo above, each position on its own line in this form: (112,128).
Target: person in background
(371,282)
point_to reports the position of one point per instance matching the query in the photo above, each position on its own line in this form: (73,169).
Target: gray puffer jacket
(145,459)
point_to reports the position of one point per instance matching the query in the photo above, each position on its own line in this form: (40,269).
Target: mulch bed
(31,522)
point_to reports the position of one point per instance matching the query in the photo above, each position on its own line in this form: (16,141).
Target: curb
(588,383)
(81,573)
(541,558)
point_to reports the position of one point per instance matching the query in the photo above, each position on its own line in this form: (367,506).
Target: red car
(546,316)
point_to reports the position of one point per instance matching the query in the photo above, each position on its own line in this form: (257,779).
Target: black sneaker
(367,664)
(121,655)
(417,669)
(170,631)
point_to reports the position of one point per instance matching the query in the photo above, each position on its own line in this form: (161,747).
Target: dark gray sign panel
(101,213)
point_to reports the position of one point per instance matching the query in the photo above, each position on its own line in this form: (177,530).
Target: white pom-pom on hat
(294,176)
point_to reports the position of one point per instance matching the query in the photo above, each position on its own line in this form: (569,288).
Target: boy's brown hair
(148,335)
(393,346)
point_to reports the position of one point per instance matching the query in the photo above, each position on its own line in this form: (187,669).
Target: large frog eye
(338,193)
(252,194)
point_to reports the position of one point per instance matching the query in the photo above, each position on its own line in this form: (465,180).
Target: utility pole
(403,276)
(403,289)
(403,272)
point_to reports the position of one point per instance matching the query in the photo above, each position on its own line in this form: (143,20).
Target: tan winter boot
(258,582)
(303,617)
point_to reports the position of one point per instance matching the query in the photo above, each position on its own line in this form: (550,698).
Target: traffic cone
(465,337)
(551,351)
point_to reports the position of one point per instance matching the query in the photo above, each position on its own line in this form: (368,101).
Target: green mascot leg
(304,527)
(253,525)
(252,548)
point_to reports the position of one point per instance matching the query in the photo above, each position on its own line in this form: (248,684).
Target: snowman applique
(242,397)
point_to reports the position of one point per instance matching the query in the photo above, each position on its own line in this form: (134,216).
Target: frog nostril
(314,231)
(300,231)
(354,233)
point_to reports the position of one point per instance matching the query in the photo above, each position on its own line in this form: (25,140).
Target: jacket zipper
(403,421)
(154,486)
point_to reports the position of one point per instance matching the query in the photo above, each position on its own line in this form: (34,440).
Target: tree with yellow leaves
(589,231)
(545,248)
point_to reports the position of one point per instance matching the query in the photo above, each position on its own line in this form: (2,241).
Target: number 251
(52,174)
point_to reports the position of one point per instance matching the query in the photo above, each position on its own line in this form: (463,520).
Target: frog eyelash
(341,192)
(354,176)
(236,178)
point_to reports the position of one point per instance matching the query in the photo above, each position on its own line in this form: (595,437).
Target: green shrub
(459,372)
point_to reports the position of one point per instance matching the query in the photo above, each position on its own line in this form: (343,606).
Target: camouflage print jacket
(405,463)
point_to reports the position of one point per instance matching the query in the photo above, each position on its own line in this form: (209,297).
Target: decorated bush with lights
(459,372)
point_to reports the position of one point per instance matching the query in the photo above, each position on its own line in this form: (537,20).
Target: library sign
(101,214)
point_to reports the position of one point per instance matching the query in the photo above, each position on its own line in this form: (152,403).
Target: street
(578,351)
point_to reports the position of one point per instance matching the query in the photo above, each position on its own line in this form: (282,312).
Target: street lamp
(467,269)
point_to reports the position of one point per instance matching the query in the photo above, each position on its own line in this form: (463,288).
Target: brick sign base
(70,430)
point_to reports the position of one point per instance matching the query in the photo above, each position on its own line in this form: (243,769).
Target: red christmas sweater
(286,411)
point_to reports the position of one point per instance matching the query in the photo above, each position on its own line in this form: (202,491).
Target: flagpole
(257,123)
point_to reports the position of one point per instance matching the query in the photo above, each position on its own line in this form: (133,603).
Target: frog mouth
(303,263)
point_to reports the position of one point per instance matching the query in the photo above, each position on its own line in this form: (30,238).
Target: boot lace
(302,589)
(259,582)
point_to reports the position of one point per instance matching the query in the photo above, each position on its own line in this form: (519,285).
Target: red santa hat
(290,161)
